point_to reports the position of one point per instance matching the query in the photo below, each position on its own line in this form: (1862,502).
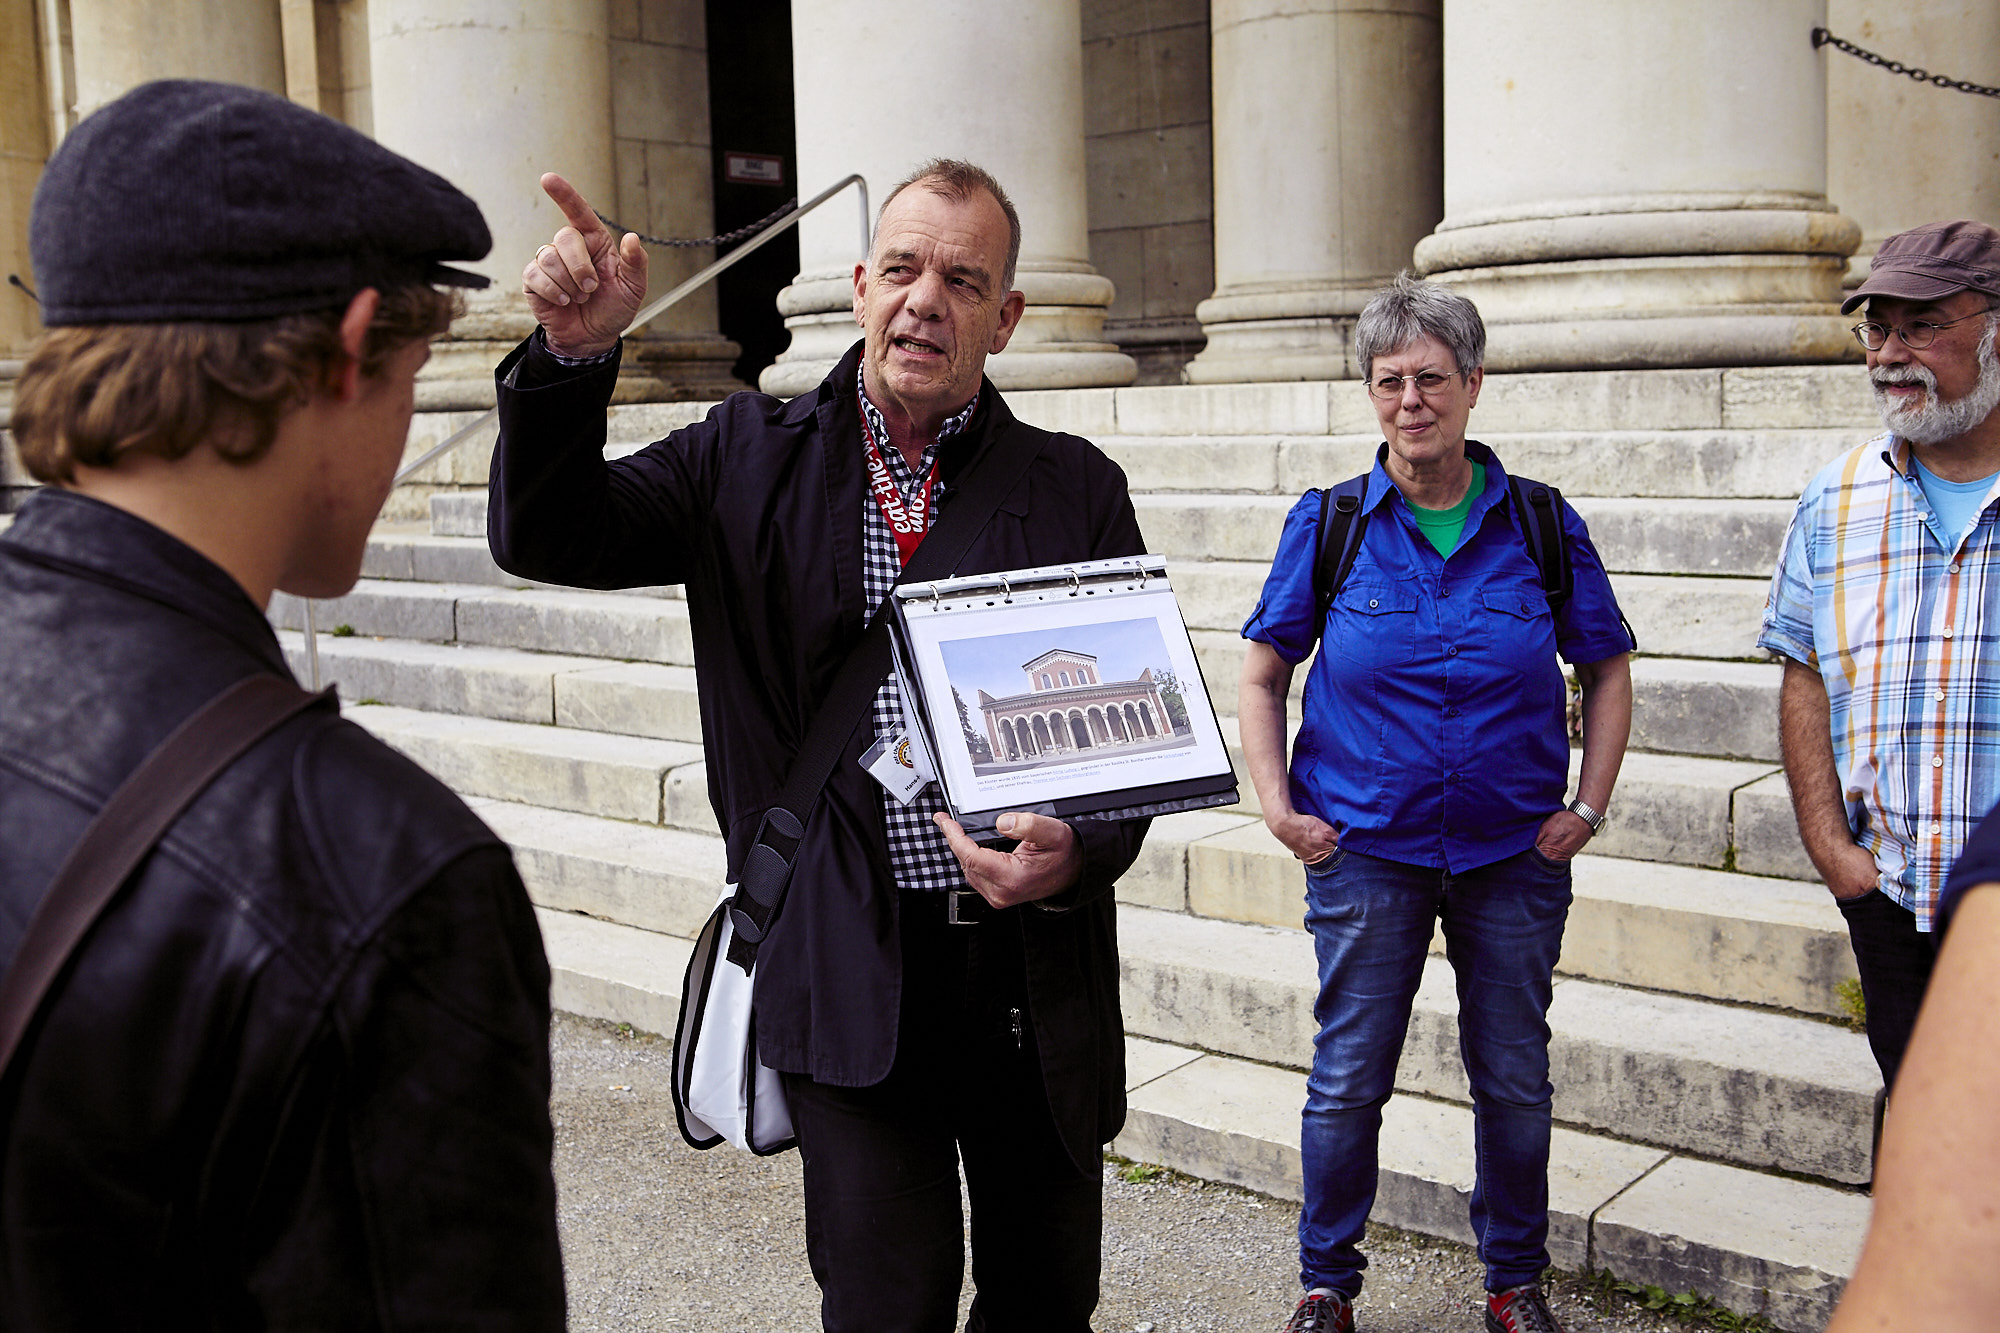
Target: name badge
(900,765)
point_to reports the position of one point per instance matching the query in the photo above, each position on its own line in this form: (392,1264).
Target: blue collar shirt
(1433,729)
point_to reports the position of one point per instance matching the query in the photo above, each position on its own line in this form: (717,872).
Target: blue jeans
(1371,922)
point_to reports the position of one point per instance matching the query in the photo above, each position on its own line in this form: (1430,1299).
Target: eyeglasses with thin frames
(1390,387)
(1917,334)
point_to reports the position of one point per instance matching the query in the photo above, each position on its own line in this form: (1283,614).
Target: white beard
(1931,420)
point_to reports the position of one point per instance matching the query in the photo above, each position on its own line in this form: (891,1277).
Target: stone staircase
(1715,1119)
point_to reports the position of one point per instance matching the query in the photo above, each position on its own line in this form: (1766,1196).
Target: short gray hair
(1410,308)
(956,179)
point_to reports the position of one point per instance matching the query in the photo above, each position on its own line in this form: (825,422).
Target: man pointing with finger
(928,1001)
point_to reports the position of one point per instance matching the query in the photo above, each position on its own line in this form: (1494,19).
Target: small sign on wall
(753,169)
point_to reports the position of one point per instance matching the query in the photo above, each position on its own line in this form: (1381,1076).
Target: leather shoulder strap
(1341,524)
(136,817)
(766,869)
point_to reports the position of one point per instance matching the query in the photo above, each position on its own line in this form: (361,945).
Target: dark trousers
(1895,960)
(883,1215)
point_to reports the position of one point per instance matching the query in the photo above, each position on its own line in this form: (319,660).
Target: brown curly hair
(92,394)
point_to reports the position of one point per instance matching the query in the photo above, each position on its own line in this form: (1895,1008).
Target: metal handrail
(645,316)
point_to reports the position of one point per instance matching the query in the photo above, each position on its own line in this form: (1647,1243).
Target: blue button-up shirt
(1433,729)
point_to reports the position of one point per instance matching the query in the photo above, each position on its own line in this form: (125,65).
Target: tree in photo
(981,752)
(1170,695)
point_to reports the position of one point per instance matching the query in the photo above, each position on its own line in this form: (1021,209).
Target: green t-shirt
(1442,526)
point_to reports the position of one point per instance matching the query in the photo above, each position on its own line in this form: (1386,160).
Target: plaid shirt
(918,853)
(1899,618)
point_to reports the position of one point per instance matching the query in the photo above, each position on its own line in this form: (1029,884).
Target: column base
(1160,348)
(656,368)
(1631,283)
(1280,331)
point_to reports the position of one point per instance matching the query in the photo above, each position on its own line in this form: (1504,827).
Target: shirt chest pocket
(1515,629)
(1375,624)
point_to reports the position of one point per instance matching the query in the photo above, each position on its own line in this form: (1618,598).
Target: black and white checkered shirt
(918,853)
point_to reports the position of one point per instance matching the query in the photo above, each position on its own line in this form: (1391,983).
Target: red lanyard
(907,522)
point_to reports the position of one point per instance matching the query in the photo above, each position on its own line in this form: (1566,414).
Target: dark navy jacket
(297,1076)
(757,509)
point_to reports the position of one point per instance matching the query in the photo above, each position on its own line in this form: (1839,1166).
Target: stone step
(403,551)
(1678,536)
(617,973)
(1767,832)
(1666,807)
(1736,398)
(631,626)
(1755,1087)
(558,768)
(1724,710)
(1710,464)
(1753,1243)
(637,875)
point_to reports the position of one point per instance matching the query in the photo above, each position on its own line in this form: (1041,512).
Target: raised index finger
(575,208)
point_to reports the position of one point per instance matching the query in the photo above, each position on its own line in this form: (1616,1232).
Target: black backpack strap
(1538,513)
(1341,525)
(767,867)
(124,832)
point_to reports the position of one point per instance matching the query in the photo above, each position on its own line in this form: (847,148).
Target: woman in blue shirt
(1428,784)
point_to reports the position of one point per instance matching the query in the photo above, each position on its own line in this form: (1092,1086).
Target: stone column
(1641,186)
(1901,153)
(121,44)
(1328,170)
(490,94)
(24,148)
(999,85)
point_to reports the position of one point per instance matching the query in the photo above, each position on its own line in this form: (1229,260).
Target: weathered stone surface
(687,803)
(1086,412)
(1212,527)
(614,776)
(1692,617)
(1217,594)
(1725,709)
(1752,1243)
(459,514)
(1758,397)
(1739,537)
(1158,878)
(641,423)
(1598,400)
(632,699)
(618,973)
(1736,938)
(1206,465)
(396,552)
(596,624)
(1671,807)
(1242,990)
(1230,1120)
(1767,832)
(380,607)
(438,678)
(638,875)
(1148,1060)
(1246,875)
(1298,408)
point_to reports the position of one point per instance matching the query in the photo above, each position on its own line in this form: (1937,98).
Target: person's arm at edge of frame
(1061,865)
(1260,717)
(556,511)
(1932,1258)
(1805,738)
(1607,726)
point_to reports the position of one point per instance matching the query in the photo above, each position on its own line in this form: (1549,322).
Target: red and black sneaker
(1521,1310)
(1322,1311)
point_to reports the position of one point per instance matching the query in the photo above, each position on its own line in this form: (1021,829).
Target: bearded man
(1884,607)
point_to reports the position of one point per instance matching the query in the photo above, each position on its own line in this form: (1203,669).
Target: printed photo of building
(1069,712)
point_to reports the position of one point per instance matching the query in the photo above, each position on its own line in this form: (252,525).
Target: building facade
(1210,189)
(1068,709)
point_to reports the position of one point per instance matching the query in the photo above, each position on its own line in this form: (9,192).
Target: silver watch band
(1586,814)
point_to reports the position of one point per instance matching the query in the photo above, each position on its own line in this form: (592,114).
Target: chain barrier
(728,237)
(1821,37)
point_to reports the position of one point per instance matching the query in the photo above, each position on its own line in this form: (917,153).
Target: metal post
(312,644)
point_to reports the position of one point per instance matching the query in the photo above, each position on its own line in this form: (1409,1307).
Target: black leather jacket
(757,509)
(297,1076)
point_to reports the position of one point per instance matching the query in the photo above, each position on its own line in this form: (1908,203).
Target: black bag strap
(1538,514)
(767,866)
(131,823)
(1341,525)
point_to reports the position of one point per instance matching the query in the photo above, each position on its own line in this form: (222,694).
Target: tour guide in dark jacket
(759,511)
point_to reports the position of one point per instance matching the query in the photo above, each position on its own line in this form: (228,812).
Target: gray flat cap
(187,201)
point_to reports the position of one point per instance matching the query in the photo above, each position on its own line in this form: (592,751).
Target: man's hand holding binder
(1046,858)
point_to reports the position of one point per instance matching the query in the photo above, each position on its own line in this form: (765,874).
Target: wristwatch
(1586,814)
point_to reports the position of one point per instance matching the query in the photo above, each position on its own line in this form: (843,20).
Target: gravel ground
(657,1236)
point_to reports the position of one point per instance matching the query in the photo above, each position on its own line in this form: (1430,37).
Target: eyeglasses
(1390,387)
(1916,335)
